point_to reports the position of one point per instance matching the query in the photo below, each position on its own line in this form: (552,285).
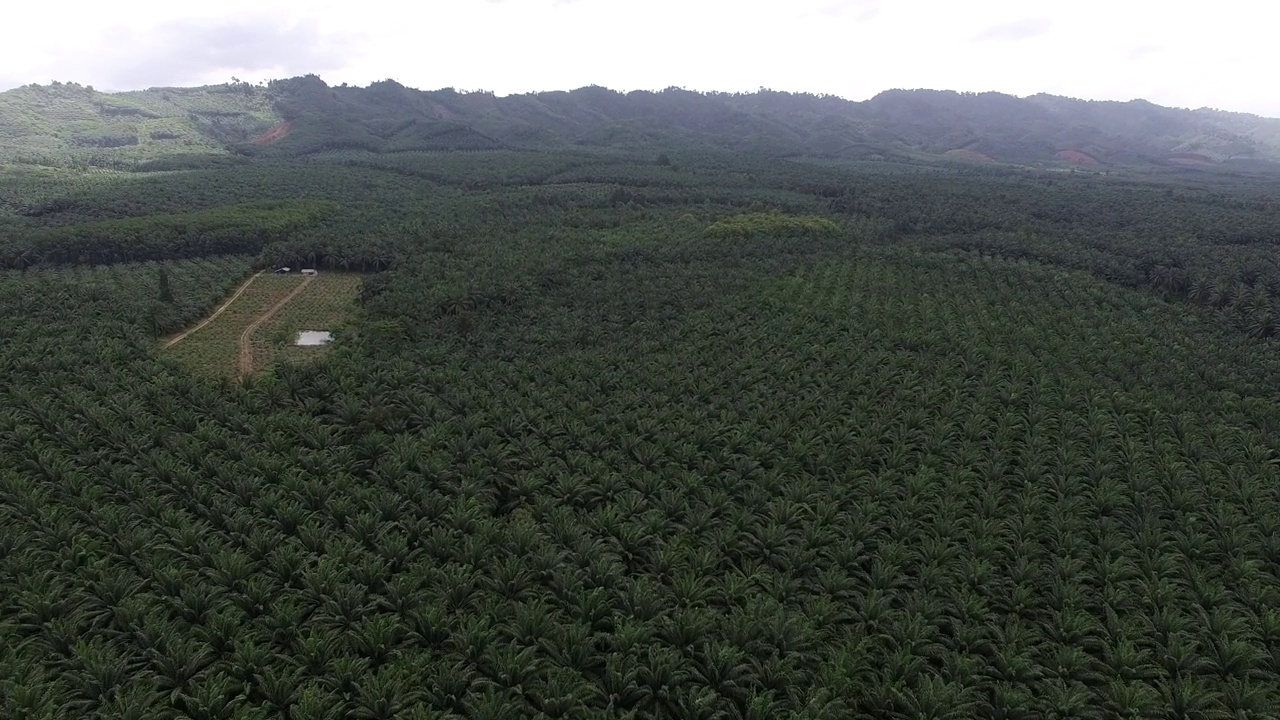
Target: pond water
(314,337)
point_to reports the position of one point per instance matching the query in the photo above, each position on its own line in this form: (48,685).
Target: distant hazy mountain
(68,123)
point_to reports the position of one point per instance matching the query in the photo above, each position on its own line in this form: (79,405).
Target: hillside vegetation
(658,405)
(70,124)
(74,125)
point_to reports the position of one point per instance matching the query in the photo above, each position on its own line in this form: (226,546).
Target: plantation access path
(245,358)
(225,304)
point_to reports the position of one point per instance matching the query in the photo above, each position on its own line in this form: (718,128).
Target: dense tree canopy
(643,431)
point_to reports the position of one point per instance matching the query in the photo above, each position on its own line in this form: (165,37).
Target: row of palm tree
(666,479)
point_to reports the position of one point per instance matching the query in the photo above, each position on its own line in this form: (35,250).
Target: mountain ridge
(65,122)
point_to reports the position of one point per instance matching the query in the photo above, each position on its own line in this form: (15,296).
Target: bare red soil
(1190,159)
(967,154)
(1077,157)
(275,132)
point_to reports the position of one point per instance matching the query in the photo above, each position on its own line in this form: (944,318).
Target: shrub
(771,224)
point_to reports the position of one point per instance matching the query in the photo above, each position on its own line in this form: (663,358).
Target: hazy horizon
(1092,50)
(630,90)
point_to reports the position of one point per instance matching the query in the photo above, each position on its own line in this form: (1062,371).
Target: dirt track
(276,132)
(244,361)
(225,304)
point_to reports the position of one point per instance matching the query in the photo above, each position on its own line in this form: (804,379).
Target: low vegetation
(214,349)
(68,125)
(743,227)
(326,304)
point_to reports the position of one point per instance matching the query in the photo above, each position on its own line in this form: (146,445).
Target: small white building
(310,271)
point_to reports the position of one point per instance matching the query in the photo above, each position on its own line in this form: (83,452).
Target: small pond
(314,337)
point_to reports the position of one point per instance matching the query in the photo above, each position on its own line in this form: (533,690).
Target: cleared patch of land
(230,343)
(1077,157)
(1192,159)
(325,304)
(275,132)
(244,346)
(170,342)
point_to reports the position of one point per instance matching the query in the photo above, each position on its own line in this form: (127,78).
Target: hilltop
(69,124)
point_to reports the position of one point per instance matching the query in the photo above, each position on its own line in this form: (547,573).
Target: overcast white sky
(1193,53)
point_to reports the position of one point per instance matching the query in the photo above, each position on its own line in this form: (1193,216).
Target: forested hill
(64,123)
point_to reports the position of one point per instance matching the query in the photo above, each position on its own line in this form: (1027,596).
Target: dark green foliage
(165,289)
(236,229)
(712,437)
(751,225)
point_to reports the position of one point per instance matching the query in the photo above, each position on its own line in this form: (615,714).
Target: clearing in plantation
(260,322)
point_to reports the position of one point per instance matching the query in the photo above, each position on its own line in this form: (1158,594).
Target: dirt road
(226,304)
(245,359)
